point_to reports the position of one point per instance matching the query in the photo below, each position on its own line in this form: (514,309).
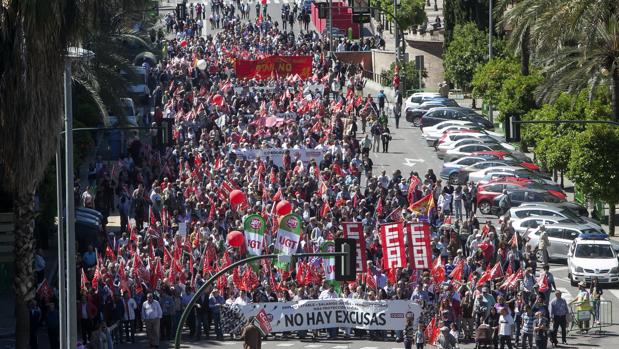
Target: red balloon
(283,208)
(218,100)
(235,238)
(183,43)
(237,197)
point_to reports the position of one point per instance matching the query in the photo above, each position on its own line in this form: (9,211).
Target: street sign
(419,63)
(346,265)
(165,133)
(361,18)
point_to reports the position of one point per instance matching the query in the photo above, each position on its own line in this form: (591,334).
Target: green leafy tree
(467,50)
(457,12)
(517,95)
(593,166)
(488,78)
(575,42)
(410,13)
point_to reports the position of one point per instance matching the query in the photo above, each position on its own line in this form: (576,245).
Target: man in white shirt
(128,323)
(329,293)
(151,315)
(506,323)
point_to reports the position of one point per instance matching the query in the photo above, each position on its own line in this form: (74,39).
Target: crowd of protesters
(174,218)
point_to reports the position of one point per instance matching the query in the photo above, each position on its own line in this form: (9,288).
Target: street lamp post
(73,54)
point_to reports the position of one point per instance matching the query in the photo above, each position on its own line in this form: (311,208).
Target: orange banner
(274,66)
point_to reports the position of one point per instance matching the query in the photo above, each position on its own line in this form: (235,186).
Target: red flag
(438,271)
(485,277)
(301,273)
(324,210)
(369,280)
(509,270)
(236,279)
(379,207)
(456,273)
(322,188)
(110,253)
(518,276)
(151,216)
(542,282)
(414,182)
(134,235)
(392,241)
(84,280)
(496,271)
(391,276)
(167,258)
(95,279)
(430,332)
(278,195)
(44,290)
(396,215)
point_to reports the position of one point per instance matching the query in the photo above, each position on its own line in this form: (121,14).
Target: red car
(487,192)
(503,155)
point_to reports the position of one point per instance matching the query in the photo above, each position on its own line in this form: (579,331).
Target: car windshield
(571,215)
(593,251)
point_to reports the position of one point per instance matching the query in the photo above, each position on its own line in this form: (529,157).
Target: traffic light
(164,133)
(346,265)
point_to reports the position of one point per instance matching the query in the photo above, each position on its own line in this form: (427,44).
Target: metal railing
(585,320)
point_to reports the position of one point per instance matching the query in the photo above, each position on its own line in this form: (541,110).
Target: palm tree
(576,42)
(34,36)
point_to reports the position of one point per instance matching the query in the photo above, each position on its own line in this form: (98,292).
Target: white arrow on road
(411,162)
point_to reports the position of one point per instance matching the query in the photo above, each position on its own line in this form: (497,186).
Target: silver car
(524,225)
(523,211)
(561,237)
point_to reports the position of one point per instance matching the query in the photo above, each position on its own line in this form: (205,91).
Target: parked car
(416,99)
(442,125)
(465,150)
(550,210)
(521,172)
(448,139)
(521,196)
(442,149)
(505,155)
(461,175)
(437,115)
(524,225)
(561,236)
(414,114)
(592,255)
(572,206)
(432,139)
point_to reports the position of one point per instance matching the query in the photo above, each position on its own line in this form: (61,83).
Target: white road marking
(340,347)
(613,292)
(285,344)
(313,346)
(369,348)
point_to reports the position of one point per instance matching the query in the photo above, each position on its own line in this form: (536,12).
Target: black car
(414,114)
(524,195)
(441,114)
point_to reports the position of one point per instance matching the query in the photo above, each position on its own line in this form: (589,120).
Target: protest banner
(253,227)
(419,250)
(288,236)
(354,230)
(392,239)
(277,155)
(318,314)
(274,65)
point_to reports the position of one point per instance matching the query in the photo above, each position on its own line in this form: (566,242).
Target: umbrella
(146,55)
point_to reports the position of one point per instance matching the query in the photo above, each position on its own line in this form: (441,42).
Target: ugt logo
(255,224)
(292,223)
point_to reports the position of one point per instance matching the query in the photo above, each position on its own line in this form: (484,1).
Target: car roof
(576,226)
(592,241)
(426,94)
(547,218)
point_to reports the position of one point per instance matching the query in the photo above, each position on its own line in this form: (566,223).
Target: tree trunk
(525,53)
(615,94)
(24,274)
(562,180)
(554,175)
(611,218)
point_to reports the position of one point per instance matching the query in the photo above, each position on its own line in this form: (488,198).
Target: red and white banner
(392,239)
(419,250)
(354,230)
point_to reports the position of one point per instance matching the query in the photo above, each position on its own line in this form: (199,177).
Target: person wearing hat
(583,307)
(446,340)
(558,314)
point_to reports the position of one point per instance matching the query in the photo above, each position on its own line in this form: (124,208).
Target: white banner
(277,155)
(318,314)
